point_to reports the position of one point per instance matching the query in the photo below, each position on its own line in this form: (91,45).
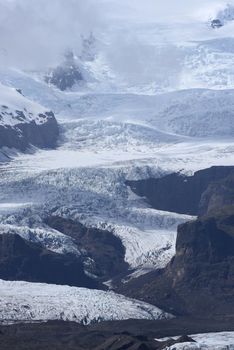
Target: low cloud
(137,62)
(35,33)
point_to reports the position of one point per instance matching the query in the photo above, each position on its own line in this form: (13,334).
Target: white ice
(24,302)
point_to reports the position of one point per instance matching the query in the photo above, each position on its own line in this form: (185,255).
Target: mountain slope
(183,194)
(199,280)
(24,123)
(21,260)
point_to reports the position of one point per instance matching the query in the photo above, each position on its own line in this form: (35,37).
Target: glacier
(34,302)
(84,178)
(172,110)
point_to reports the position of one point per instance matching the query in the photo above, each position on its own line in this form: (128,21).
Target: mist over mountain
(37,33)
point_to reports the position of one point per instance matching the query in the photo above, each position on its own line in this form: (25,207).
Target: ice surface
(131,137)
(24,302)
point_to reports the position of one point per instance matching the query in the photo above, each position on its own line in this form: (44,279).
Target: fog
(148,10)
(158,57)
(34,34)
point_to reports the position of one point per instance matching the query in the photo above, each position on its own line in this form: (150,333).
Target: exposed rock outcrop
(199,280)
(21,260)
(105,249)
(218,194)
(22,135)
(66,75)
(177,192)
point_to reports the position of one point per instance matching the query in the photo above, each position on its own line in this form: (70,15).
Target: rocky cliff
(199,280)
(21,260)
(104,249)
(179,193)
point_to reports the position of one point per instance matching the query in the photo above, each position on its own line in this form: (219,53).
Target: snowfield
(16,109)
(24,302)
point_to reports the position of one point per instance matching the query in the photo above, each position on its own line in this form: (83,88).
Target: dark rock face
(127,341)
(200,278)
(219,194)
(179,193)
(59,335)
(67,75)
(131,342)
(21,260)
(106,250)
(22,135)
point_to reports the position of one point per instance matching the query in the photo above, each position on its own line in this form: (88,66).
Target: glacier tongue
(33,302)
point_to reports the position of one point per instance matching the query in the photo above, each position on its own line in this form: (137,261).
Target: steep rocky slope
(200,278)
(218,194)
(182,194)
(21,260)
(104,249)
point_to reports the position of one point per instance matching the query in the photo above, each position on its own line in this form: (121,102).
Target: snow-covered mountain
(24,123)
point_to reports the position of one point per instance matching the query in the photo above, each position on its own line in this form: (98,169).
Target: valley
(116,189)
